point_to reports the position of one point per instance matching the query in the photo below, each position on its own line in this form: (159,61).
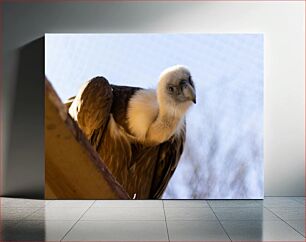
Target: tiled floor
(274,219)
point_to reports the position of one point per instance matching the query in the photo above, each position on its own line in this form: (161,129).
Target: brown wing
(100,111)
(91,106)
(169,155)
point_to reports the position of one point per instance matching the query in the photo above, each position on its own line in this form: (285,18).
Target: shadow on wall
(25,157)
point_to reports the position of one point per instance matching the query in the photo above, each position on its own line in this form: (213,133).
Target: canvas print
(154,116)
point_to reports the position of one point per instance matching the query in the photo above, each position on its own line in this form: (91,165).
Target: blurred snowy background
(223,156)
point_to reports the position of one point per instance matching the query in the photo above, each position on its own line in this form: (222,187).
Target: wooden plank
(73,169)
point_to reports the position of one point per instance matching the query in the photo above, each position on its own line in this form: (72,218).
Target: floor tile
(300,200)
(143,220)
(281,202)
(118,231)
(57,213)
(39,230)
(16,213)
(196,231)
(7,227)
(128,203)
(70,203)
(235,203)
(298,225)
(124,214)
(261,230)
(189,214)
(290,213)
(22,203)
(244,214)
(7,224)
(185,204)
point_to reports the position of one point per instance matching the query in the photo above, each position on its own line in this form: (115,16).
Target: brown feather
(168,158)
(91,107)
(101,112)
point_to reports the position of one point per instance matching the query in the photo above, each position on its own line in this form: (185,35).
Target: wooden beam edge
(80,138)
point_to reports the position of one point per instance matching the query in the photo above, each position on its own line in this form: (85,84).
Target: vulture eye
(184,84)
(171,89)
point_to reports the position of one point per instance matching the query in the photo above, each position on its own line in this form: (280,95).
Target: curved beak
(190,94)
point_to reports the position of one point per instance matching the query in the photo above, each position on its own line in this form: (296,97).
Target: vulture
(139,133)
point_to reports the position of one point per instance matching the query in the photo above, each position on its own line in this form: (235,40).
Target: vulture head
(154,116)
(176,89)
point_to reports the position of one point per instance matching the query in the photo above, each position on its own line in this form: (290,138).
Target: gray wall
(24,25)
